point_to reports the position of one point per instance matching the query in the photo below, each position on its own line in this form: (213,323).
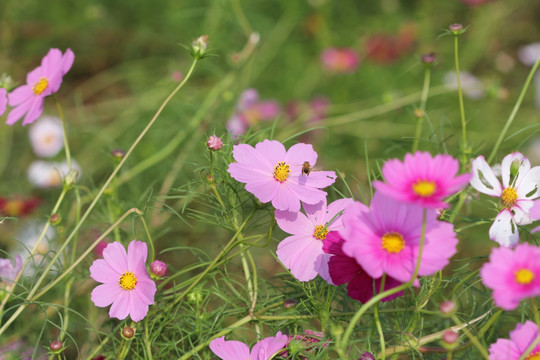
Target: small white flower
(519,189)
(47,174)
(46,136)
(472,87)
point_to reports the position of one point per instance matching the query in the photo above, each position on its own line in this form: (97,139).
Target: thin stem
(150,242)
(64,132)
(375,299)
(535,312)
(378,322)
(473,339)
(422,113)
(464,150)
(514,111)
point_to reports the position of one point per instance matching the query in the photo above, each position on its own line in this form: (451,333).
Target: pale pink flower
(512,274)
(472,87)
(214,143)
(340,60)
(126,283)
(344,269)
(274,174)
(9,269)
(422,179)
(520,339)
(518,190)
(41,82)
(3,100)
(302,253)
(46,174)
(385,238)
(236,350)
(251,110)
(46,136)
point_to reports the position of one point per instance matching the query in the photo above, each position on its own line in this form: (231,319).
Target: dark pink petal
(524,335)
(332,244)
(504,349)
(294,223)
(229,350)
(343,269)
(121,306)
(102,272)
(116,257)
(104,294)
(136,254)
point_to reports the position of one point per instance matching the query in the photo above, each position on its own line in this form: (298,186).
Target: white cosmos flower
(47,174)
(46,136)
(516,194)
(471,86)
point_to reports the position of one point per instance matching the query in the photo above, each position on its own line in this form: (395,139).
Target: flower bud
(419,113)
(214,143)
(71,177)
(118,154)
(290,303)
(429,58)
(55,219)
(198,47)
(447,308)
(128,332)
(366,356)
(56,346)
(158,268)
(456,29)
(450,339)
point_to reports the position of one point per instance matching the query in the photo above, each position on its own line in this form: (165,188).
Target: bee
(306,168)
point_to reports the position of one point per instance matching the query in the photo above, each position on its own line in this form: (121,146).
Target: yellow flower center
(320,232)
(524,276)
(424,188)
(509,197)
(535,356)
(393,242)
(127,281)
(41,85)
(281,171)
(13,207)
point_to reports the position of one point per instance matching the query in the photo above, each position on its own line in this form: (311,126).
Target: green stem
(150,242)
(473,339)
(464,147)
(378,322)
(535,312)
(64,133)
(375,299)
(420,119)
(514,111)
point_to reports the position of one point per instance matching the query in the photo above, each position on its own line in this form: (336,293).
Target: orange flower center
(127,281)
(509,197)
(320,232)
(524,276)
(424,188)
(41,85)
(281,171)
(393,242)
(535,356)
(13,207)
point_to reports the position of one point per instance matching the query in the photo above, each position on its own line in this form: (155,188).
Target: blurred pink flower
(177,76)
(9,269)
(3,100)
(309,340)
(344,269)
(214,143)
(340,60)
(274,174)
(422,179)
(98,250)
(236,350)
(46,136)
(385,238)
(18,206)
(126,283)
(387,48)
(520,339)
(512,274)
(519,189)
(250,110)
(302,253)
(41,82)
(314,111)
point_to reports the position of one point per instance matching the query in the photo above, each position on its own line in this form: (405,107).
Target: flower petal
(121,305)
(115,256)
(105,294)
(481,170)
(294,223)
(229,350)
(504,230)
(299,254)
(136,254)
(102,272)
(506,164)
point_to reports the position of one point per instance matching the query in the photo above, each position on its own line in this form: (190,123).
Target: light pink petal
(299,254)
(246,154)
(504,230)
(247,173)
(294,223)
(121,305)
(20,95)
(321,265)
(104,294)
(116,257)
(67,61)
(504,349)
(3,100)
(524,335)
(334,208)
(33,77)
(534,213)
(50,62)
(299,153)
(136,254)
(439,248)
(524,166)
(272,151)
(317,179)
(306,194)
(229,350)
(266,110)
(16,113)
(146,289)
(480,171)
(102,272)
(35,110)
(286,199)
(137,308)
(264,189)
(265,348)
(521,211)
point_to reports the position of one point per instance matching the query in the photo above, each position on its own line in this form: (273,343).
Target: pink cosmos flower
(250,110)
(512,274)
(236,350)
(310,341)
(126,283)
(385,238)
(46,136)
(422,179)
(41,82)
(342,60)
(520,339)
(274,174)
(519,189)
(344,269)
(9,270)
(3,100)
(302,253)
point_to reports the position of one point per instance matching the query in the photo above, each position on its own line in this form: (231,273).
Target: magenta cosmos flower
(236,350)
(302,253)
(512,275)
(126,283)
(251,110)
(520,339)
(342,60)
(41,82)
(519,189)
(3,100)
(344,269)
(385,238)
(274,174)
(422,179)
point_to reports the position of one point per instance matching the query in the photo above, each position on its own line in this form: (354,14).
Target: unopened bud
(55,219)
(195,296)
(290,303)
(366,356)
(128,332)
(214,143)
(447,308)
(456,29)
(56,346)
(71,177)
(429,58)
(210,179)
(450,336)
(198,47)
(419,113)
(118,154)
(158,268)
